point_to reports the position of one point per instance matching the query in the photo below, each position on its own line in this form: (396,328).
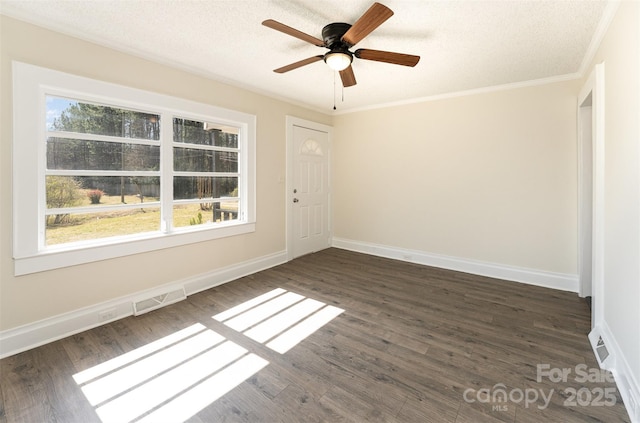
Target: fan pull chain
(335,94)
(334,90)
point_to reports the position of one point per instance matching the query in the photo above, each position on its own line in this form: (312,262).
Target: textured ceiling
(464,45)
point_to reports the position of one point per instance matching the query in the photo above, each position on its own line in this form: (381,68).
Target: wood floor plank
(413,343)
(298,402)
(428,411)
(243,404)
(354,408)
(481,413)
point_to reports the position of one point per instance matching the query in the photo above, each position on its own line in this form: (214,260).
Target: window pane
(75,116)
(195,160)
(195,187)
(83,191)
(204,133)
(205,213)
(70,154)
(74,227)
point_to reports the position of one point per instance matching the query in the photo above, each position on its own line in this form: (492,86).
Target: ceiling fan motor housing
(332,35)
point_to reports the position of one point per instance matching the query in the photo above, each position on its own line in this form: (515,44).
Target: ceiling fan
(339,38)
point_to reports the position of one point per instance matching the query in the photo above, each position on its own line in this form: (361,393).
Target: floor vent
(601,349)
(173,295)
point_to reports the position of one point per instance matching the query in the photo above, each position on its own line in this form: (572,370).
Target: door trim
(291,122)
(586,146)
(594,86)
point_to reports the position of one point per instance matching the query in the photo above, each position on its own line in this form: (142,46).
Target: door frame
(594,86)
(585,196)
(291,122)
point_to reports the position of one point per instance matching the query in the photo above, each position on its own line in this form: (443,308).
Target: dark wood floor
(414,344)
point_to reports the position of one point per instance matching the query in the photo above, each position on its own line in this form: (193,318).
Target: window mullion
(99,209)
(41,157)
(212,174)
(166,170)
(242,176)
(206,147)
(141,173)
(83,136)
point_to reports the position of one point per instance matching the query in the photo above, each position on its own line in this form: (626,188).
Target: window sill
(83,253)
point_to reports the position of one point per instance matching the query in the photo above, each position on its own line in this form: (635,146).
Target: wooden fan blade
(387,57)
(372,18)
(270,23)
(298,64)
(348,77)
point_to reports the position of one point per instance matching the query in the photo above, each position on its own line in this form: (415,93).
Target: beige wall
(489,177)
(30,298)
(620,52)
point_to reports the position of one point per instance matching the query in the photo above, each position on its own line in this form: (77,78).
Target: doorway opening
(585,217)
(591,195)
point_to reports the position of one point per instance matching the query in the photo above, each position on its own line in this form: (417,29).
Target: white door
(309,190)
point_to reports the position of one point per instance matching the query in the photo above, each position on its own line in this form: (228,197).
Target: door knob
(295,200)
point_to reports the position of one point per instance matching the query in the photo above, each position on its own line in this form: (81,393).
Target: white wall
(620,53)
(488,177)
(28,299)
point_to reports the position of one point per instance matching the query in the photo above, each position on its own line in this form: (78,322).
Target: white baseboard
(227,274)
(561,281)
(14,341)
(616,362)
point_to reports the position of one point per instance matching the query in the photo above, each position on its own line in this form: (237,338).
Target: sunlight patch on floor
(302,330)
(134,355)
(278,323)
(140,371)
(175,377)
(248,304)
(197,398)
(280,317)
(261,312)
(170,379)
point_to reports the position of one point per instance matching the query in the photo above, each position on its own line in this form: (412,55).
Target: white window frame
(31,85)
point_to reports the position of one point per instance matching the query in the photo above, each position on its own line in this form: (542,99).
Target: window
(102,170)
(205,162)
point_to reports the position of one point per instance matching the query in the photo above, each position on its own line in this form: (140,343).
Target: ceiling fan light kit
(339,37)
(338,60)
